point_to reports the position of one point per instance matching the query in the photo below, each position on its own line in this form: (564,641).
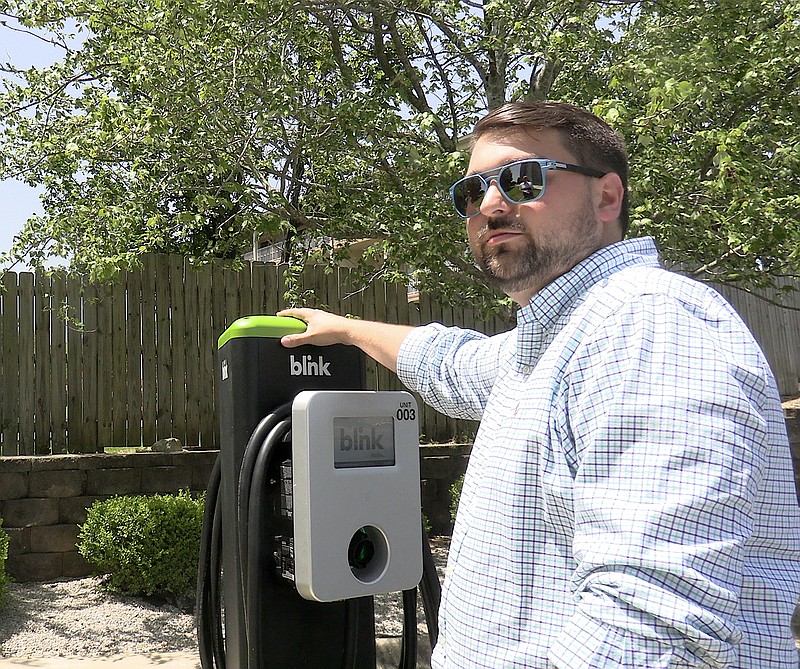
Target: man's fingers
(299,314)
(292,341)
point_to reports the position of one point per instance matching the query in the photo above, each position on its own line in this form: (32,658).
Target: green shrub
(3,555)
(455,496)
(426,524)
(147,545)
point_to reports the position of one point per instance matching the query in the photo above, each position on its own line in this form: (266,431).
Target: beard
(514,269)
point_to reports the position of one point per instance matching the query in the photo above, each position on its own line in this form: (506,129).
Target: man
(629,499)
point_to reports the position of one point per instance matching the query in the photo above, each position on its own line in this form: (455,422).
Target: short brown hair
(589,138)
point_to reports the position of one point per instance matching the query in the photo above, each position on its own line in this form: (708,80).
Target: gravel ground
(77,618)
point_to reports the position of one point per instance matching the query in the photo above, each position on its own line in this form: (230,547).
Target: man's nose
(494,202)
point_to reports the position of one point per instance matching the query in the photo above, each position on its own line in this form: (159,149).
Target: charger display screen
(363,441)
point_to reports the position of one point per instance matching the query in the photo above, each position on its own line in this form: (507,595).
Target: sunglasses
(518,182)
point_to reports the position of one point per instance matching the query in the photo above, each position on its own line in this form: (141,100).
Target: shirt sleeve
(669,447)
(452,369)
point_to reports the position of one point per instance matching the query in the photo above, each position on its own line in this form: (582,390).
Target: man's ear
(608,204)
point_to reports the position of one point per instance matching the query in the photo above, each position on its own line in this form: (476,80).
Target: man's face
(523,247)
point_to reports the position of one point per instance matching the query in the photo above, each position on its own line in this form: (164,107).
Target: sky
(17,200)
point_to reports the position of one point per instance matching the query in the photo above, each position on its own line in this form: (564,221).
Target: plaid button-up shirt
(629,500)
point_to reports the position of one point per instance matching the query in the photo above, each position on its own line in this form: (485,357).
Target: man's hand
(323,328)
(380,341)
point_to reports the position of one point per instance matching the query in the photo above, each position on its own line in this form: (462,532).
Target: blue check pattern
(629,500)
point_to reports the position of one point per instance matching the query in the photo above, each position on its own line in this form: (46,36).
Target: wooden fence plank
(280,288)
(149,351)
(244,280)
(26,353)
(792,317)
(307,287)
(322,284)
(164,350)
(275,294)
(217,298)
(9,383)
(73,314)
(381,314)
(763,326)
(225,310)
(89,371)
(790,332)
(134,380)
(779,344)
(192,344)
(258,287)
(182,347)
(42,363)
(4,446)
(264,291)
(58,364)
(347,295)
(232,303)
(391,313)
(116,347)
(106,372)
(206,394)
(3,410)
(431,419)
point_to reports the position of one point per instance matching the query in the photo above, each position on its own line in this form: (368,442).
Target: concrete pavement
(175,660)
(387,653)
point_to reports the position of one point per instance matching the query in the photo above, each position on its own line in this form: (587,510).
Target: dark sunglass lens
(468,195)
(522,182)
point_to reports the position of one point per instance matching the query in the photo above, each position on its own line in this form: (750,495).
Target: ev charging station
(356,487)
(313,507)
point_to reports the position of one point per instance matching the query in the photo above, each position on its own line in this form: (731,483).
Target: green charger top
(262,326)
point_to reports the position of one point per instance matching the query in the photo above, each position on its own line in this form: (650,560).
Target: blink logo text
(307,366)
(359,439)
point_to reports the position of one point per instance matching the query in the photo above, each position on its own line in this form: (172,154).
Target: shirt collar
(538,322)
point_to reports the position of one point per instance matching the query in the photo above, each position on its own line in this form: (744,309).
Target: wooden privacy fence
(84,367)
(776,329)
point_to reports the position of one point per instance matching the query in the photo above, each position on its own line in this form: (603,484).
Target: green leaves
(706,138)
(188,127)
(4,578)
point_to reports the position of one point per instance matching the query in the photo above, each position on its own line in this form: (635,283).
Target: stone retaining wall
(43,499)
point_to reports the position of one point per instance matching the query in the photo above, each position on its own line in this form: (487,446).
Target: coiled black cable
(431,590)
(408,644)
(210,638)
(245,481)
(258,538)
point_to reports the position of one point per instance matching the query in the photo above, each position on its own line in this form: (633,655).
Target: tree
(189,126)
(710,101)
